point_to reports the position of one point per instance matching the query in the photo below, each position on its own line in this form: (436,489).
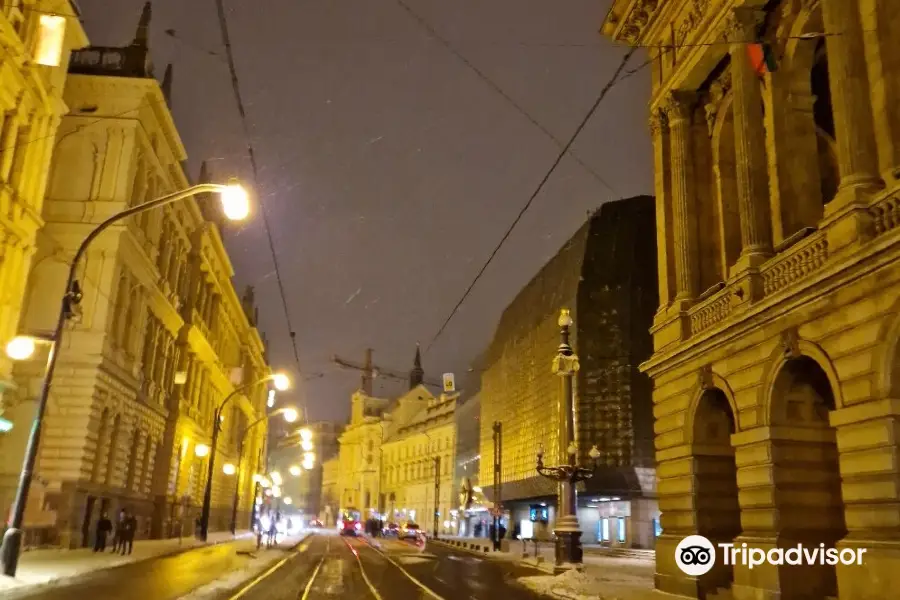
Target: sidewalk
(50,566)
(603,575)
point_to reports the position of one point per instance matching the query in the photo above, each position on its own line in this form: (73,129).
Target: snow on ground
(591,584)
(260,561)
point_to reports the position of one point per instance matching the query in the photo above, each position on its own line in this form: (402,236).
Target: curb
(29,591)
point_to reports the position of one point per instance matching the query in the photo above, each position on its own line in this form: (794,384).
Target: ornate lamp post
(569,553)
(235,205)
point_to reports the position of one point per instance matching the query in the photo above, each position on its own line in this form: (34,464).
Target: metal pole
(237,486)
(437,493)
(12,539)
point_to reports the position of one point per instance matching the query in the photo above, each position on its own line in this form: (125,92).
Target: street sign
(449,382)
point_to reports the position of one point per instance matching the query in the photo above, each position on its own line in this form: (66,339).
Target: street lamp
(295,471)
(201,450)
(569,553)
(235,205)
(281,381)
(290,415)
(229,469)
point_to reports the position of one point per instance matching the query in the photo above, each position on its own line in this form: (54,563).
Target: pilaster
(659,134)
(789,494)
(880,22)
(868,437)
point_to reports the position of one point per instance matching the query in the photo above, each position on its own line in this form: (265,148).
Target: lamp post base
(9,552)
(569,552)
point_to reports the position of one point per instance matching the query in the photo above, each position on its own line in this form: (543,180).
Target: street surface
(161,578)
(336,567)
(325,565)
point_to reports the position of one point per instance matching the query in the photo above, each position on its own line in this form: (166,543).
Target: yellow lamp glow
(51,38)
(257,478)
(291,415)
(20,347)
(201,450)
(276,491)
(235,201)
(276,478)
(305,434)
(281,382)
(228,469)
(306,445)
(287,500)
(295,470)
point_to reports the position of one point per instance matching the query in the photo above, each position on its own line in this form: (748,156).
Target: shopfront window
(621,530)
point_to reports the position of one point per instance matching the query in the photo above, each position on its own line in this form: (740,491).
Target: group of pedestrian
(123,537)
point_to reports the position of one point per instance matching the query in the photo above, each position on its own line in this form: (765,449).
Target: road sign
(449,382)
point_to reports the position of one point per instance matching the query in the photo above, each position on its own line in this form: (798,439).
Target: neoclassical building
(31,107)
(777,155)
(162,336)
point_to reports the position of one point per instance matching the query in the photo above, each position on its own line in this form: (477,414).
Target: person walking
(120,528)
(104,526)
(129,527)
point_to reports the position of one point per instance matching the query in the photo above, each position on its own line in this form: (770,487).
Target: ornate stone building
(775,367)
(31,107)
(605,274)
(162,337)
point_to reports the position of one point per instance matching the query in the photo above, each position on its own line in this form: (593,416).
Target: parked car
(391,529)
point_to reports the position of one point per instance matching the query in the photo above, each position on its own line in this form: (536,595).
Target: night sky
(388,168)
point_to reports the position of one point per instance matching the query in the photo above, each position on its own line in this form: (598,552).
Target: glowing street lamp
(281,382)
(229,469)
(201,450)
(270,401)
(21,347)
(235,201)
(306,434)
(276,478)
(307,445)
(295,470)
(290,414)
(287,500)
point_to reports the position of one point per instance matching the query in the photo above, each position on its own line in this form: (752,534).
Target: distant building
(329,505)
(388,451)
(286,455)
(163,337)
(473,508)
(606,275)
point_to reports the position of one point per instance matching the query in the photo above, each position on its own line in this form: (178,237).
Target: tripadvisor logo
(695,555)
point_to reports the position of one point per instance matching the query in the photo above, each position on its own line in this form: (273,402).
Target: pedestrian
(129,528)
(273,533)
(104,526)
(120,530)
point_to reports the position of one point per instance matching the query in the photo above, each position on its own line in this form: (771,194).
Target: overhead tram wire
(424,24)
(618,76)
(609,85)
(235,85)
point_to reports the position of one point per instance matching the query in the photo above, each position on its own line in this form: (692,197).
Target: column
(660,136)
(8,140)
(850,99)
(881,29)
(679,106)
(749,142)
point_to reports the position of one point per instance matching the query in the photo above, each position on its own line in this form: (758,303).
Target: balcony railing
(710,311)
(886,212)
(795,263)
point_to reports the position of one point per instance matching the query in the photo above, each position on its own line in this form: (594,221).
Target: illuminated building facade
(162,336)
(35,45)
(777,154)
(605,274)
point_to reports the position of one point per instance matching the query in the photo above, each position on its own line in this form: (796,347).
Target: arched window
(824,118)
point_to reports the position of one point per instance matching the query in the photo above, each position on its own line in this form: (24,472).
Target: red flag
(757,58)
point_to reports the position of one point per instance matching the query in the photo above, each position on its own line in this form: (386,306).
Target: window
(620,533)
(603,527)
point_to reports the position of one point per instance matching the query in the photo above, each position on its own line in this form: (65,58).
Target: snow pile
(580,585)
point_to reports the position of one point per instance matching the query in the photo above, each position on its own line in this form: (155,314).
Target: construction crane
(370,372)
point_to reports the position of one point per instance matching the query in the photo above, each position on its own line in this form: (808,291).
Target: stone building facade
(162,337)
(31,108)
(775,343)
(606,276)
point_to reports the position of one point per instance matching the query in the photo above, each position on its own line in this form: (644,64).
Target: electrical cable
(603,92)
(493,85)
(251,155)
(619,76)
